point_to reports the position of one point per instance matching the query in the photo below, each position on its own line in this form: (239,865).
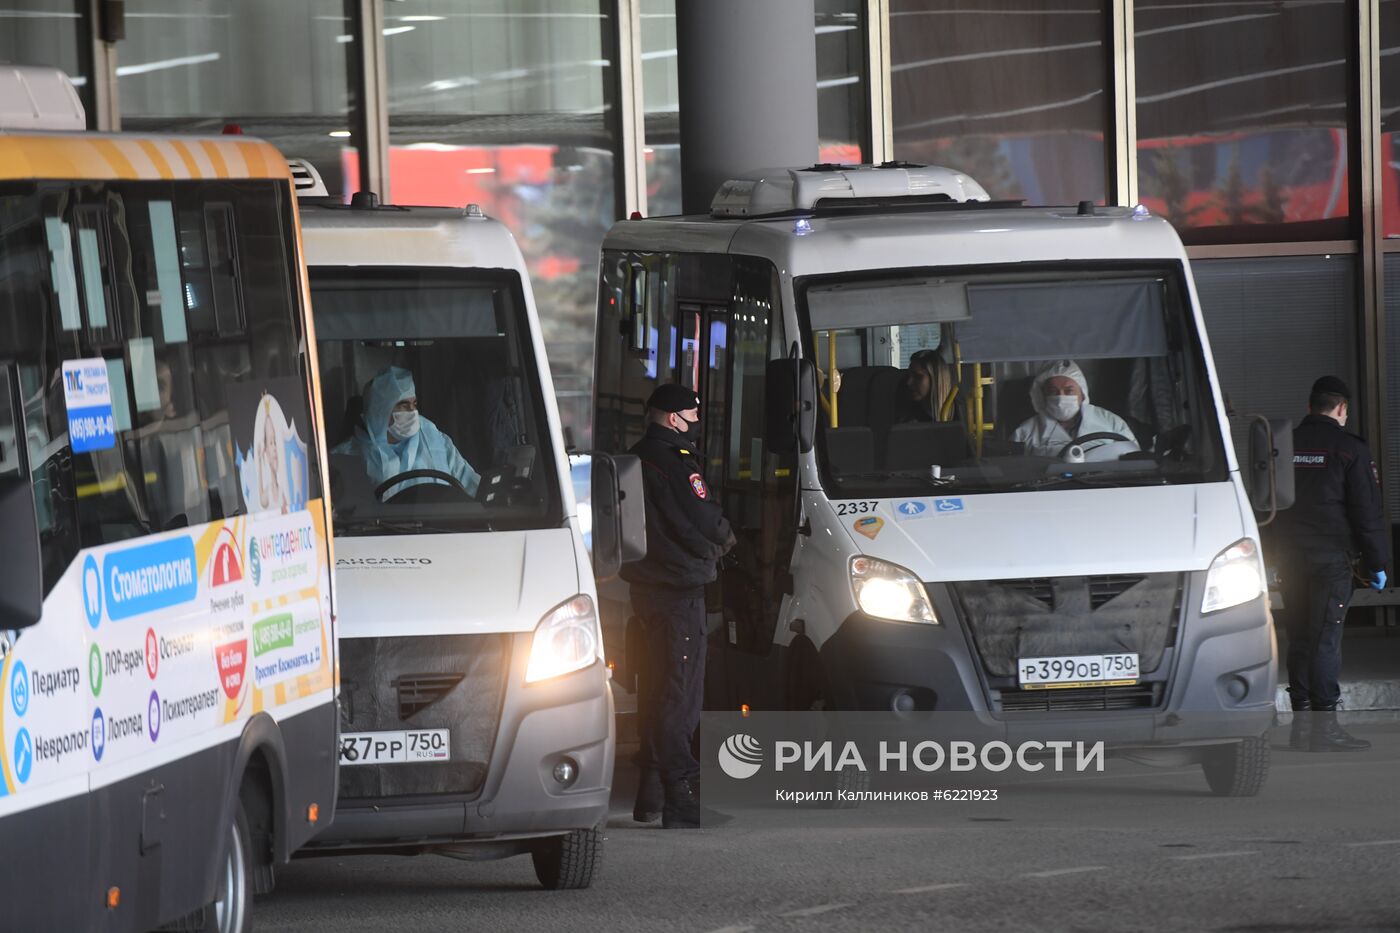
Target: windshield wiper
(1100,478)
(896,476)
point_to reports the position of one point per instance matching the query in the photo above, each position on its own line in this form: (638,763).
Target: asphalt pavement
(1132,848)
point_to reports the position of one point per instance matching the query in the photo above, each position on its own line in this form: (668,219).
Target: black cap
(1331,385)
(673,397)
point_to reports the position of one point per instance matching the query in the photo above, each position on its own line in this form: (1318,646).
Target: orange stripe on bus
(112,154)
(211,150)
(182,149)
(157,158)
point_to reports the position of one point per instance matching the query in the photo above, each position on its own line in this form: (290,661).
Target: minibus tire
(232,909)
(1237,770)
(569,862)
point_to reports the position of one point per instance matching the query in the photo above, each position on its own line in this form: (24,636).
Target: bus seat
(917,445)
(868,397)
(1013,404)
(850,450)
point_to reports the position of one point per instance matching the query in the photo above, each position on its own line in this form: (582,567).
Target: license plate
(408,746)
(1081,670)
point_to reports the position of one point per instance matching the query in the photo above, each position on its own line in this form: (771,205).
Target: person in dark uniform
(686,536)
(1336,519)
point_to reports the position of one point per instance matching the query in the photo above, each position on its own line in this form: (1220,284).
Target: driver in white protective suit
(1060,394)
(394,438)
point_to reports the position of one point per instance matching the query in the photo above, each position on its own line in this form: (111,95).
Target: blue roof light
(802,226)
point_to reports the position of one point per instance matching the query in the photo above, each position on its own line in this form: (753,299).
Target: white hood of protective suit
(442,584)
(1062,368)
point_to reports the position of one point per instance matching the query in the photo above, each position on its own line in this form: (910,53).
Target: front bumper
(540,724)
(1216,681)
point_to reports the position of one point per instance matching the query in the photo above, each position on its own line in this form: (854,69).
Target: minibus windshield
(1009,380)
(434,414)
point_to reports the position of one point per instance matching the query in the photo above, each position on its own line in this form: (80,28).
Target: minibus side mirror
(619,513)
(21,572)
(1270,467)
(790,414)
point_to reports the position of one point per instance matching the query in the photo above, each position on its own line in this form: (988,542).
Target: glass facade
(1244,113)
(1012,95)
(280,69)
(1242,118)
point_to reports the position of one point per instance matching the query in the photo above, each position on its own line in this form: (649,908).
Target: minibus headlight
(565,640)
(888,591)
(1235,576)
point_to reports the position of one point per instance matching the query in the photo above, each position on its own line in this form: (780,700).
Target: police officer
(1336,519)
(686,535)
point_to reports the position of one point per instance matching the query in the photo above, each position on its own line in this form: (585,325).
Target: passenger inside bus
(922,389)
(1064,415)
(393,438)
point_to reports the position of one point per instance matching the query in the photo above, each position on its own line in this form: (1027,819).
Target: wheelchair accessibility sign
(910,509)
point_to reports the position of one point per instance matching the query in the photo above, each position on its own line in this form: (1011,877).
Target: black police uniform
(1336,516)
(686,536)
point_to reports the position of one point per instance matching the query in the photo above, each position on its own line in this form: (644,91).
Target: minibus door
(757,487)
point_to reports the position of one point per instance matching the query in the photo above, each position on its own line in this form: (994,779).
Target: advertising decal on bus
(184,632)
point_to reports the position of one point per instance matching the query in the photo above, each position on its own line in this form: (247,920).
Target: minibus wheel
(568,862)
(1237,770)
(232,910)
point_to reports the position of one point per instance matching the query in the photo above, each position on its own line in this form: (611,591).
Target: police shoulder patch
(697,486)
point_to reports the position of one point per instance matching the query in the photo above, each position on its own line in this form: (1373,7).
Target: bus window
(103,257)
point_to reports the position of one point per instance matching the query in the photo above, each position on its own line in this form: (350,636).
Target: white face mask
(1062,407)
(404,424)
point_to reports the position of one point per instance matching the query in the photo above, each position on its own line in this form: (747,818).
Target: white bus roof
(337,235)
(886,239)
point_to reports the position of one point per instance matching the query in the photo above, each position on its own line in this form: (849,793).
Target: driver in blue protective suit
(394,438)
(1060,394)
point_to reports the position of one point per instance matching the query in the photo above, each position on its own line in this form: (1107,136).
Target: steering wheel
(1095,436)
(419,474)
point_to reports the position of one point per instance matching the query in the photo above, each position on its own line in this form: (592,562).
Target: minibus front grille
(1102,587)
(452,682)
(1063,616)
(1071,699)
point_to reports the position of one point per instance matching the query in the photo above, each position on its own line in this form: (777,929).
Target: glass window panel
(277,68)
(50,32)
(503,105)
(661,101)
(1014,97)
(1242,118)
(841,89)
(1390,123)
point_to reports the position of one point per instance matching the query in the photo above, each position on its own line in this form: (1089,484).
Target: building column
(748,90)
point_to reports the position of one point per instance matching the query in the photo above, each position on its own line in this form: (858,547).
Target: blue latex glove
(1378,581)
